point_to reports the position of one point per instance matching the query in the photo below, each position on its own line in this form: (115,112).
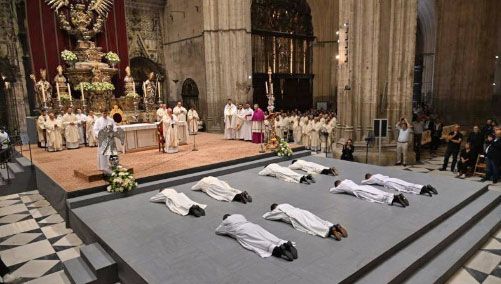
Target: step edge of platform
(96,267)
(72,264)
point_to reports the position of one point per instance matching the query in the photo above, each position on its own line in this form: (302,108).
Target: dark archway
(190,93)
(282,36)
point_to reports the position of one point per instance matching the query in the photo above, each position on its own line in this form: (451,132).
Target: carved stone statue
(150,92)
(60,83)
(130,87)
(43,89)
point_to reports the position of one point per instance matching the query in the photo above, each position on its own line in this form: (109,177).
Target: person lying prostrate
(369,193)
(311,167)
(285,174)
(398,184)
(221,190)
(179,203)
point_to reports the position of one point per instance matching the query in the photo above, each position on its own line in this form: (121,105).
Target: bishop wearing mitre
(71,133)
(193,119)
(170,132)
(182,125)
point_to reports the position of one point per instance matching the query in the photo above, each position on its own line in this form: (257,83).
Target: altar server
(246,129)
(311,167)
(193,121)
(82,119)
(221,190)
(369,193)
(89,129)
(182,124)
(179,203)
(170,132)
(305,221)
(230,120)
(42,135)
(71,134)
(398,184)
(285,174)
(100,124)
(255,238)
(54,138)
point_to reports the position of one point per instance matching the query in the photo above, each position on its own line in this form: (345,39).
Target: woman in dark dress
(348,150)
(467,160)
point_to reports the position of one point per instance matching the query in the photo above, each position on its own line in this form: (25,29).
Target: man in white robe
(305,221)
(182,124)
(369,193)
(100,124)
(398,184)
(193,119)
(311,167)
(82,119)
(285,174)
(221,190)
(42,135)
(170,132)
(230,121)
(246,130)
(54,137)
(255,238)
(296,130)
(91,138)
(161,112)
(71,132)
(179,203)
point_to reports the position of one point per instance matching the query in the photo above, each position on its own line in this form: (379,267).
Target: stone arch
(190,94)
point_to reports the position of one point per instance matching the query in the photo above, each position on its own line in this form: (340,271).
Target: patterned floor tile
(18,227)
(31,198)
(27,252)
(56,230)
(13,218)
(52,219)
(17,208)
(68,254)
(8,202)
(484,262)
(39,203)
(12,196)
(35,268)
(20,239)
(42,212)
(54,278)
(70,240)
(492,280)
(462,277)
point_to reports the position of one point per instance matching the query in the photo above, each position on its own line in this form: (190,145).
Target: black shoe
(333,171)
(281,252)
(304,180)
(432,189)
(495,181)
(246,196)
(400,199)
(289,247)
(404,199)
(196,211)
(484,179)
(398,164)
(240,198)
(310,178)
(425,190)
(341,230)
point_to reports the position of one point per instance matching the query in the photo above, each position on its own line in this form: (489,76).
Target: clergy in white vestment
(230,120)
(100,124)
(54,138)
(255,238)
(398,184)
(368,193)
(89,129)
(296,130)
(305,130)
(170,132)
(240,122)
(82,119)
(315,134)
(305,221)
(193,119)
(312,168)
(161,112)
(246,129)
(285,174)
(221,190)
(278,127)
(71,132)
(180,113)
(179,203)
(40,128)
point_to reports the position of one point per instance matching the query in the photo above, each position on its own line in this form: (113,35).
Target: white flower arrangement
(112,57)
(64,97)
(68,56)
(132,95)
(121,180)
(283,149)
(96,87)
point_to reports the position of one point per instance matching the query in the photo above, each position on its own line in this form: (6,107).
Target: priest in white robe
(296,130)
(285,174)
(315,134)
(368,193)
(82,119)
(311,167)
(71,132)
(41,133)
(193,119)
(255,238)
(180,113)
(305,130)
(305,221)
(230,121)
(170,132)
(398,184)
(54,137)
(221,190)
(246,129)
(89,129)
(161,112)
(179,203)
(100,124)
(240,122)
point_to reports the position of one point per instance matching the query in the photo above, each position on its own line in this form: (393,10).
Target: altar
(138,137)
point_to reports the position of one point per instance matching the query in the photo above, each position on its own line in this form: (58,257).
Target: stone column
(227,46)
(376,59)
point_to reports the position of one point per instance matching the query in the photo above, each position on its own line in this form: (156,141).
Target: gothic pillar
(227,46)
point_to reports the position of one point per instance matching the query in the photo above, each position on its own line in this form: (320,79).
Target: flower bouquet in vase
(112,58)
(69,57)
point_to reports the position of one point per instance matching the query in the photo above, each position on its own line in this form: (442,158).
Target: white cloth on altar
(177,202)
(281,173)
(170,134)
(394,183)
(182,124)
(364,192)
(308,167)
(102,123)
(230,121)
(251,236)
(302,220)
(216,188)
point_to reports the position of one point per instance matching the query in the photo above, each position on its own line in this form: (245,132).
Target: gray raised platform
(152,244)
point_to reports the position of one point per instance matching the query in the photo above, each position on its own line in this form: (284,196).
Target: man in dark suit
(493,157)
(454,140)
(476,140)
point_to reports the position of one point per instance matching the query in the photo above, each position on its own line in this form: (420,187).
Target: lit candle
(144,92)
(43,91)
(159,91)
(271,91)
(266,85)
(58,93)
(82,91)
(69,92)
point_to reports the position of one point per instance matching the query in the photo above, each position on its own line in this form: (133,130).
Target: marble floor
(34,240)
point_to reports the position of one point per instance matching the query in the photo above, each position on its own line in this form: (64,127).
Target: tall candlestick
(58,93)
(69,91)
(43,91)
(271,87)
(82,92)
(266,85)
(159,91)
(144,92)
